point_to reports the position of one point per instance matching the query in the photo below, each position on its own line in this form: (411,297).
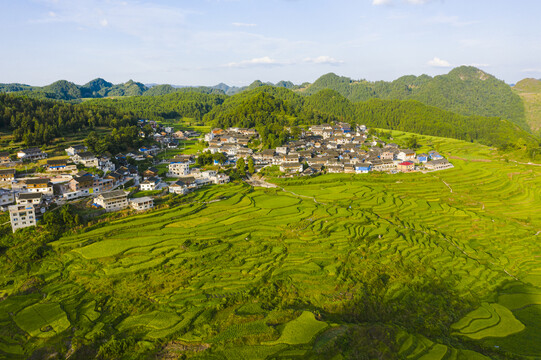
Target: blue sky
(204,42)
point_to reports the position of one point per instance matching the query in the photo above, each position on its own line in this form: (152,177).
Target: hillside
(420,266)
(530,92)
(464,90)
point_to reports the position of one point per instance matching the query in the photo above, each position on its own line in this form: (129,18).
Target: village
(109,181)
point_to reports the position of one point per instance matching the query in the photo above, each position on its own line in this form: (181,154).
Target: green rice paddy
(244,273)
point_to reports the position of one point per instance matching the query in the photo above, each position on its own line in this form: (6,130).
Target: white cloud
(381,2)
(327,60)
(450,20)
(532,70)
(241,24)
(437,62)
(479,65)
(418,2)
(262,61)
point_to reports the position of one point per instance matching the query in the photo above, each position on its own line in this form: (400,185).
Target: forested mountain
(528,85)
(38,122)
(464,90)
(186,102)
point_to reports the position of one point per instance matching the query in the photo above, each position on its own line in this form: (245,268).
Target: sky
(205,42)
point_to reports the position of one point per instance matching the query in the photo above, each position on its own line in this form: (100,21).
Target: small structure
(5,157)
(34,199)
(179,187)
(291,168)
(406,166)
(7,197)
(41,185)
(31,154)
(22,216)
(75,149)
(86,159)
(439,164)
(152,183)
(142,203)
(178,169)
(7,175)
(112,200)
(406,154)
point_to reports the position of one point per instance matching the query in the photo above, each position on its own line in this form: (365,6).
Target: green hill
(464,90)
(530,92)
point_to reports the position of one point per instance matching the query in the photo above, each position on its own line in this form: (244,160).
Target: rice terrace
(437,265)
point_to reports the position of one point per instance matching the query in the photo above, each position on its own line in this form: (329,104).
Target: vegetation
(465,90)
(436,265)
(530,92)
(38,122)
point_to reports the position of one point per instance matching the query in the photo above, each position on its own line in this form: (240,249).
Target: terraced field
(447,262)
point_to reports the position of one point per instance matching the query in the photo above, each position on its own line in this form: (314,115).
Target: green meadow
(440,265)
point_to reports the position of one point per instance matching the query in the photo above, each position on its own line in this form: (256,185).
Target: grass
(42,320)
(300,331)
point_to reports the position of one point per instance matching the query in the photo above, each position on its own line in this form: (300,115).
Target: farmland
(441,265)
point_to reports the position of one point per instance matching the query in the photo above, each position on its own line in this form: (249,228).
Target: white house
(22,216)
(177,169)
(142,203)
(112,200)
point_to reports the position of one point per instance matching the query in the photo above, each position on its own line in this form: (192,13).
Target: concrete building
(177,169)
(22,216)
(142,204)
(113,200)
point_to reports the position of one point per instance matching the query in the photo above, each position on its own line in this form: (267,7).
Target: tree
(241,165)
(219,157)
(251,167)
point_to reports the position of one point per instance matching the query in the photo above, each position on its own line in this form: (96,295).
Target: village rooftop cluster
(321,149)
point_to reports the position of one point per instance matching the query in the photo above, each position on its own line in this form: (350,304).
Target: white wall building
(177,169)
(112,200)
(22,216)
(142,204)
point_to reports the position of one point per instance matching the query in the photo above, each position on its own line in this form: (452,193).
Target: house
(112,200)
(7,175)
(142,203)
(282,150)
(387,155)
(439,164)
(290,159)
(150,172)
(422,158)
(5,157)
(180,135)
(75,149)
(291,168)
(22,216)
(87,159)
(41,185)
(177,169)
(60,166)
(34,199)
(6,197)
(406,154)
(220,179)
(152,183)
(84,182)
(179,187)
(31,154)
(363,168)
(106,165)
(335,168)
(434,155)
(406,166)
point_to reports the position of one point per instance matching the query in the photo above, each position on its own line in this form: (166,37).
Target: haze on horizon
(237,41)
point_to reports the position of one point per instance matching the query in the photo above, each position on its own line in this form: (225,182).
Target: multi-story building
(31,154)
(177,169)
(41,185)
(142,203)
(7,197)
(22,216)
(112,200)
(34,199)
(7,175)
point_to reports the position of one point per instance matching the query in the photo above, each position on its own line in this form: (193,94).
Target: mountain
(530,92)
(528,85)
(93,87)
(465,90)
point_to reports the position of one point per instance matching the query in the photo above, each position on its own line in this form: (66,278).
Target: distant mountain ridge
(465,90)
(530,91)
